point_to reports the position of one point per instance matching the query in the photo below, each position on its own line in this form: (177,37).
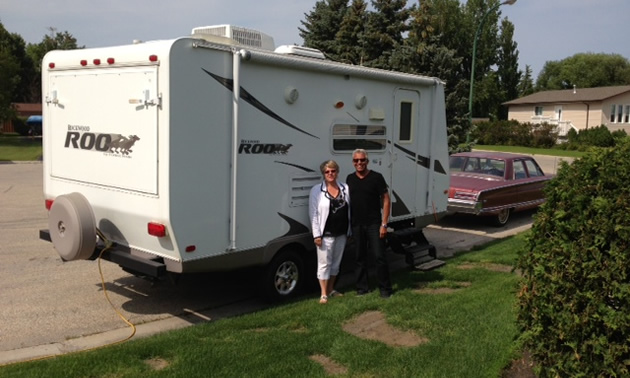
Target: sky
(545,30)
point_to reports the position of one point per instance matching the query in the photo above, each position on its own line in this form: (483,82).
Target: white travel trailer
(197,154)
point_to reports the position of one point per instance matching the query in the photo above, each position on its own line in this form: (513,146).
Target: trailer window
(404,134)
(351,137)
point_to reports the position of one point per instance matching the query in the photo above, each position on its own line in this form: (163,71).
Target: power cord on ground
(108,245)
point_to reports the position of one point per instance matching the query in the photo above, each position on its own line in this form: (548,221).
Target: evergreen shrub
(574,302)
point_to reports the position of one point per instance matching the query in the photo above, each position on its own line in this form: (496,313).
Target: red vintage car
(494,184)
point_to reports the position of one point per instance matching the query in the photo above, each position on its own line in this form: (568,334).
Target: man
(369,226)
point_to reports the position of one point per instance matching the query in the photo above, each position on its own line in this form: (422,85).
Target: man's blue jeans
(368,244)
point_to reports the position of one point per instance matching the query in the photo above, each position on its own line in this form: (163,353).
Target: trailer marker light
(153,58)
(191,248)
(97,62)
(51,65)
(110,61)
(156,229)
(339,105)
(49,204)
(83,62)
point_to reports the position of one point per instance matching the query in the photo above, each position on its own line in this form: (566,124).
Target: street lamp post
(472,68)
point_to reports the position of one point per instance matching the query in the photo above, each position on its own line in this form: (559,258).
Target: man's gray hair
(360,151)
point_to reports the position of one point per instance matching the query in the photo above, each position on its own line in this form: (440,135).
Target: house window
(538,110)
(619,113)
(612,113)
(626,116)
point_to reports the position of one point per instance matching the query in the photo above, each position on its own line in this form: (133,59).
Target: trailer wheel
(284,277)
(72,227)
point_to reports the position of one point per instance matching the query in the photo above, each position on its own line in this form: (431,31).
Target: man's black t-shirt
(366,197)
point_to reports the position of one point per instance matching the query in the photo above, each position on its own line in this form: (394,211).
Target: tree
(584,70)
(13,47)
(322,24)
(349,39)
(507,68)
(384,31)
(423,52)
(526,84)
(53,41)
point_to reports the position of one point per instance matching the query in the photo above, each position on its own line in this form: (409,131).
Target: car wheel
(283,277)
(502,218)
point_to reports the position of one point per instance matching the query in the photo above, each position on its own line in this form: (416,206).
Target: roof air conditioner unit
(244,36)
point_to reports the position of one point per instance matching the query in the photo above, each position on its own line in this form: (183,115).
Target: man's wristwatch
(384,225)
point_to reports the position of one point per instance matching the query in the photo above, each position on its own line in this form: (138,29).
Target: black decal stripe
(296,166)
(295,227)
(423,161)
(229,84)
(398,206)
(437,166)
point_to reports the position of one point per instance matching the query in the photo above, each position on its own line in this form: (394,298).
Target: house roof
(571,95)
(24,108)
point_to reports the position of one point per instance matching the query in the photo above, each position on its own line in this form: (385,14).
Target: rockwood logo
(109,143)
(255,147)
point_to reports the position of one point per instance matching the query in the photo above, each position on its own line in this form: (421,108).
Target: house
(23,110)
(577,108)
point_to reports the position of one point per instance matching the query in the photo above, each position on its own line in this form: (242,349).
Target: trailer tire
(72,227)
(283,277)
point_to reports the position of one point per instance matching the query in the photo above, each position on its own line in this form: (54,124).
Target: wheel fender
(72,227)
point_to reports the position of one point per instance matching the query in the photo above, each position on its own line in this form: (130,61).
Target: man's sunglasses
(359,160)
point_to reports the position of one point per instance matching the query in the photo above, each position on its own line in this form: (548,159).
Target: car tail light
(156,229)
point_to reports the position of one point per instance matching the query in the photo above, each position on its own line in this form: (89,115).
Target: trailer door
(104,127)
(407,156)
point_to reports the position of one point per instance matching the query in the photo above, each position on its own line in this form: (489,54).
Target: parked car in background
(495,184)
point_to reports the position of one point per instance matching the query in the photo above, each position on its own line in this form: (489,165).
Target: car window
(533,169)
(519,170)
(456,163)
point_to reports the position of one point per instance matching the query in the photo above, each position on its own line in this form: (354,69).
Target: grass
(471,332)
(17,148)
(531,150)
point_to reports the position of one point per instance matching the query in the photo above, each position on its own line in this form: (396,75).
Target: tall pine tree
(322,24)
(350,37)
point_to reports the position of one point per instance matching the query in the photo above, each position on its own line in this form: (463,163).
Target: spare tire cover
(72,227)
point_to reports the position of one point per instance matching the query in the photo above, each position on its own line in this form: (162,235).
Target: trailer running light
(339,105)
(83,62)
(191,248)
(156,229)
(153,58)
(97,62)
(110,61)
(51,65)
(49,203)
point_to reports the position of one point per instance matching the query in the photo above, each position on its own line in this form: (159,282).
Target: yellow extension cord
(108,245)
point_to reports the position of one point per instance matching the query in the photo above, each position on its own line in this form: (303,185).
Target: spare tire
(72,227)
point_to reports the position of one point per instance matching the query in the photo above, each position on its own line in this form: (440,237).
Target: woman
(329,210)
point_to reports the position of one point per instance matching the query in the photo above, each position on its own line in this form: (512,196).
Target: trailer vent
(300,51)
(244,36)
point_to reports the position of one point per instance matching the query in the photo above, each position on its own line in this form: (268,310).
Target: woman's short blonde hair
(329,164)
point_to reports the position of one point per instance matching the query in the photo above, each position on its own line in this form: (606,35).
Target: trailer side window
(404,134)
(351,137)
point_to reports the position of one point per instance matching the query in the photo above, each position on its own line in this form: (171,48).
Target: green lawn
(18,148)
(531,150)
(465,311)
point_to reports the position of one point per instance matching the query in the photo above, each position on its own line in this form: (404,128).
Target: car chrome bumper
(462,206)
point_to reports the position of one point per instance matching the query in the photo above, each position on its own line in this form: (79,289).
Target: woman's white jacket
(319,205)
